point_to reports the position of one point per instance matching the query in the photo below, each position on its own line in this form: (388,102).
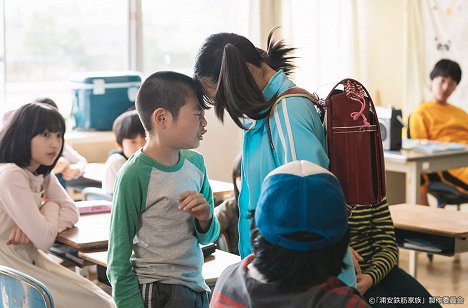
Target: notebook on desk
(430,146)
(93,206)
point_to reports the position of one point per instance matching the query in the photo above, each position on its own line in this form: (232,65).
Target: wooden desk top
(95,172)
(91,232)
(430,220)
(214,264)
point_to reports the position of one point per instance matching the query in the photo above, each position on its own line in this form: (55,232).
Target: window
(173,31)
(47,41)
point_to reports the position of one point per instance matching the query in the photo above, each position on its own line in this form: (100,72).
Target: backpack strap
(314,98)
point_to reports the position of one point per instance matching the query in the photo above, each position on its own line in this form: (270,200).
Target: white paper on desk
(430,146)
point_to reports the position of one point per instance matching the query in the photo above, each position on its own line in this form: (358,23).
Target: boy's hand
(364,283)
(17,237)
(195,203)
(61,165)
(356,259)
(70,173)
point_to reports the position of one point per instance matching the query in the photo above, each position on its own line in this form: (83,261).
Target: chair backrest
(95,193)
(20,290)
(408,132)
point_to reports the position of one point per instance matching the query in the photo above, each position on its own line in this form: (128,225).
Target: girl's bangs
(47,119)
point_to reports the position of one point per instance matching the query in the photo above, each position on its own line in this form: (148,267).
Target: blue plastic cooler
(100,97)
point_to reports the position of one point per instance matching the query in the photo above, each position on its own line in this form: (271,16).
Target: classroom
(75,71)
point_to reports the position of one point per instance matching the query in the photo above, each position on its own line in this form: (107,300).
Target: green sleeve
(128,205)
(213,232)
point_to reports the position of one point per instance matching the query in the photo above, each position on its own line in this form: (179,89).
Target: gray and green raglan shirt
(151,239)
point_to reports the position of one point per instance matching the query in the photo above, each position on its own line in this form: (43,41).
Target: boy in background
(163,203)
(439,120)
(130,137)
(299,238)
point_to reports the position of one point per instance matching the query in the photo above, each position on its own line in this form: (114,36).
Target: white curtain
(414,56)
(435,29)
(329,37)
(447,37)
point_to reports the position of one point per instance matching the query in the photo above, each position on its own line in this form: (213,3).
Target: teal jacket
(297,134)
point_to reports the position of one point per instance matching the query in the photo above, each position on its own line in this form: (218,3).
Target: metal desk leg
(413,263)
(413,181)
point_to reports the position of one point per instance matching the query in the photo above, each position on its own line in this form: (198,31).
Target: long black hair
(222,62)
(27,122)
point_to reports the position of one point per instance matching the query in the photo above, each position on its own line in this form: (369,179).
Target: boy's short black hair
(293,269)
(27,122)
(168,90)
(447,68)
(127,126)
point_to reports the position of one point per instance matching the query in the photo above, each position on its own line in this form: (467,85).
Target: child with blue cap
(299,237)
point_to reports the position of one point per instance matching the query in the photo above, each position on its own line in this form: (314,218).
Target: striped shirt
(373,237)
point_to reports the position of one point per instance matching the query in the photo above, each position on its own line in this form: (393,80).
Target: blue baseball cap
(301,197)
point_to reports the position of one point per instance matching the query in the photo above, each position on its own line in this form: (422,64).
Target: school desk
(413,163)
(221,190)
(214,264)
(91,232)
(429,229)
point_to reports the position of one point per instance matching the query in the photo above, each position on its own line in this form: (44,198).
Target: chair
(94,193)
(223,242)
(447,195)
(21,290)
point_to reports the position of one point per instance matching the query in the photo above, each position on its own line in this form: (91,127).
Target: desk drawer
(424,242)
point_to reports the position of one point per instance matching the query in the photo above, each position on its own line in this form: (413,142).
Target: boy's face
(188,129)
(442,87)
(131,145)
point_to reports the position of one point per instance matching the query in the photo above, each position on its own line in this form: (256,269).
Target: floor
(444,276)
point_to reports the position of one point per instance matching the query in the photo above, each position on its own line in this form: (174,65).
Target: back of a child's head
(47,101)
(127,126)
(447,68)
(222,62)
(167,90)
(27,122)
(300,230)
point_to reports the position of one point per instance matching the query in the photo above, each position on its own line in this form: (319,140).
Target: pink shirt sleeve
(68,213)
(40,223)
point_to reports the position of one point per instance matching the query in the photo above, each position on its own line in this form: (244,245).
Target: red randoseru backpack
(354,143)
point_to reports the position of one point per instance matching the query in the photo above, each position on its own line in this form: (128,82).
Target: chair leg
(430,256)
(440,204)
(458,207)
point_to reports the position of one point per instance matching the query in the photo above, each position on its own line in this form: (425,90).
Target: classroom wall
(220,145)
(384,55)
(385,71)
